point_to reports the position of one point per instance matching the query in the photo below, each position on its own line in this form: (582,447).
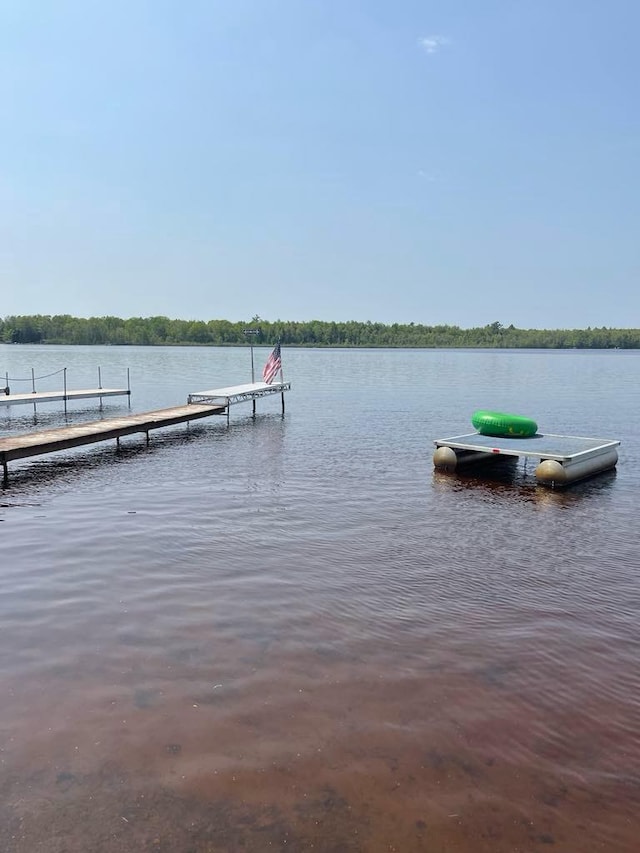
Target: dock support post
(100,385)
(147,434)
(33,387)
(254,407)
(64,383)
(117,442)
(282,395)
(129,387)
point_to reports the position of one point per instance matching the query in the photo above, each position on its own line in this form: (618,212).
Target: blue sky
(455,161)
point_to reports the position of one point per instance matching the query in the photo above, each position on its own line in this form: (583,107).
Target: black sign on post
(251,333)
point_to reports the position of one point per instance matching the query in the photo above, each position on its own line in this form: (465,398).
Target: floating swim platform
(563,459)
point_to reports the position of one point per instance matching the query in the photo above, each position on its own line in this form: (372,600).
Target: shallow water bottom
(231,746)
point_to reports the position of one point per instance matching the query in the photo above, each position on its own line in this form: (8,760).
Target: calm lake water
(291,634)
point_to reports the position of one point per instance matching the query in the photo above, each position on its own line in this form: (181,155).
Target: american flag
(273,365)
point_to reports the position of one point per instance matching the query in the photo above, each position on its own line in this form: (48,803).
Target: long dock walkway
(49,441)
(202,404)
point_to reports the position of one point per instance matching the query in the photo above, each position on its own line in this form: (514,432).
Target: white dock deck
(64,396)
(563,459)
(563,448)
(239,393)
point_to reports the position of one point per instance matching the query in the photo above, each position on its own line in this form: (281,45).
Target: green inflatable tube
(503,425)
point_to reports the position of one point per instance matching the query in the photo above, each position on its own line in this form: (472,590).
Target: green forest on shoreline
(163,331)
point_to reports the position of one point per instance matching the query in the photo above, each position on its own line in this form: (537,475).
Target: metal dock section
(49,441)
(240,394)
(64,396)
(564,459)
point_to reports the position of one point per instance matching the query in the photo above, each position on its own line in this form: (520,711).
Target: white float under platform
(564,459)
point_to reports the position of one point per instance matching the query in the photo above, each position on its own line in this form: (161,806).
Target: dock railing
(9,396)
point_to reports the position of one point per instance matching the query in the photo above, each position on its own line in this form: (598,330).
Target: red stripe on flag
(273,365)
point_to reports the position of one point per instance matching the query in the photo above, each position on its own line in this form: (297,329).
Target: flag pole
(281,378)
(250,333)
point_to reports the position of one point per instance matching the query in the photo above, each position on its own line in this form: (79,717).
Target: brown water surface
(291,634)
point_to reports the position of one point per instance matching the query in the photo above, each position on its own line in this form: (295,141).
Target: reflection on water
(505,470)
(515,479)
(293,634)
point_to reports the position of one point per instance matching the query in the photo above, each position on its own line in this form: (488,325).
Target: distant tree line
(162,331)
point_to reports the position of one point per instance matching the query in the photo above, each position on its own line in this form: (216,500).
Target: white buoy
(550,472)
(448,459)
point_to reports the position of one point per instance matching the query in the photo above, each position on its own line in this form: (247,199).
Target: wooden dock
(202,404)
(49,441)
